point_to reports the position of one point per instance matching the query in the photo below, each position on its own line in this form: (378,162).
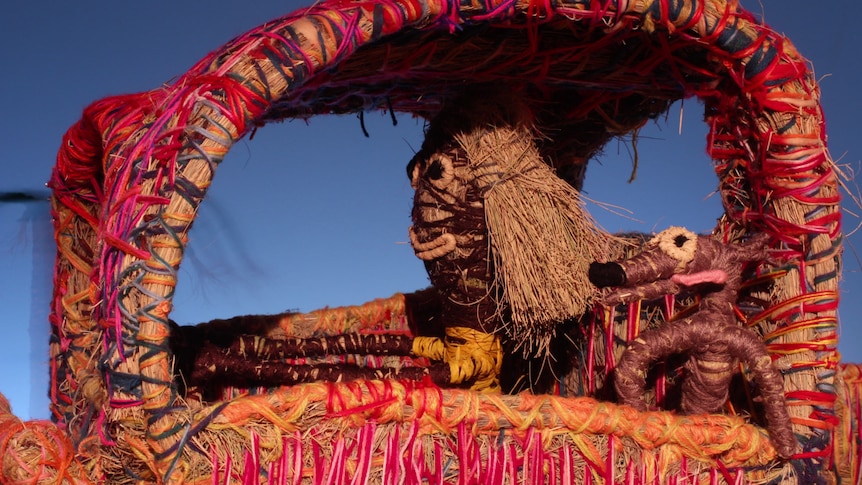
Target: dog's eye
(680,240)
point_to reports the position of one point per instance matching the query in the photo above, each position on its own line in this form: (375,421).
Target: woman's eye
(435,170)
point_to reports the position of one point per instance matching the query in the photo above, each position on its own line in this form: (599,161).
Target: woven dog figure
(674,259)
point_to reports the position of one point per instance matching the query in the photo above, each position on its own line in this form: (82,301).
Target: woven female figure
(678,258)
(505,242)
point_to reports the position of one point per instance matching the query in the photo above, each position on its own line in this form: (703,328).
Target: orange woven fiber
(848,432)
(36,452)
(132,173)
(469,433)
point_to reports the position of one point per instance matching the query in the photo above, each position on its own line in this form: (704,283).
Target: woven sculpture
(132,172)
(678,258)
(485,198)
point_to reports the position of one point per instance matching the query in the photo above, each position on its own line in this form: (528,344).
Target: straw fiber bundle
(132,172)
(542,238)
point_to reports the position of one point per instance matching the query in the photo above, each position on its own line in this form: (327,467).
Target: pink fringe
(357,457)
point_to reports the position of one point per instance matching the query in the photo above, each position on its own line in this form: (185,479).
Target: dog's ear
(756,248)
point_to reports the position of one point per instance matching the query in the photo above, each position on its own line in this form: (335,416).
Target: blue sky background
(314,214)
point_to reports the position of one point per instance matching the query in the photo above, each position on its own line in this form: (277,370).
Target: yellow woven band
(472,355)
(429,347)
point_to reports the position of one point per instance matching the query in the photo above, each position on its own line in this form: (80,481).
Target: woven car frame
(132,172)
